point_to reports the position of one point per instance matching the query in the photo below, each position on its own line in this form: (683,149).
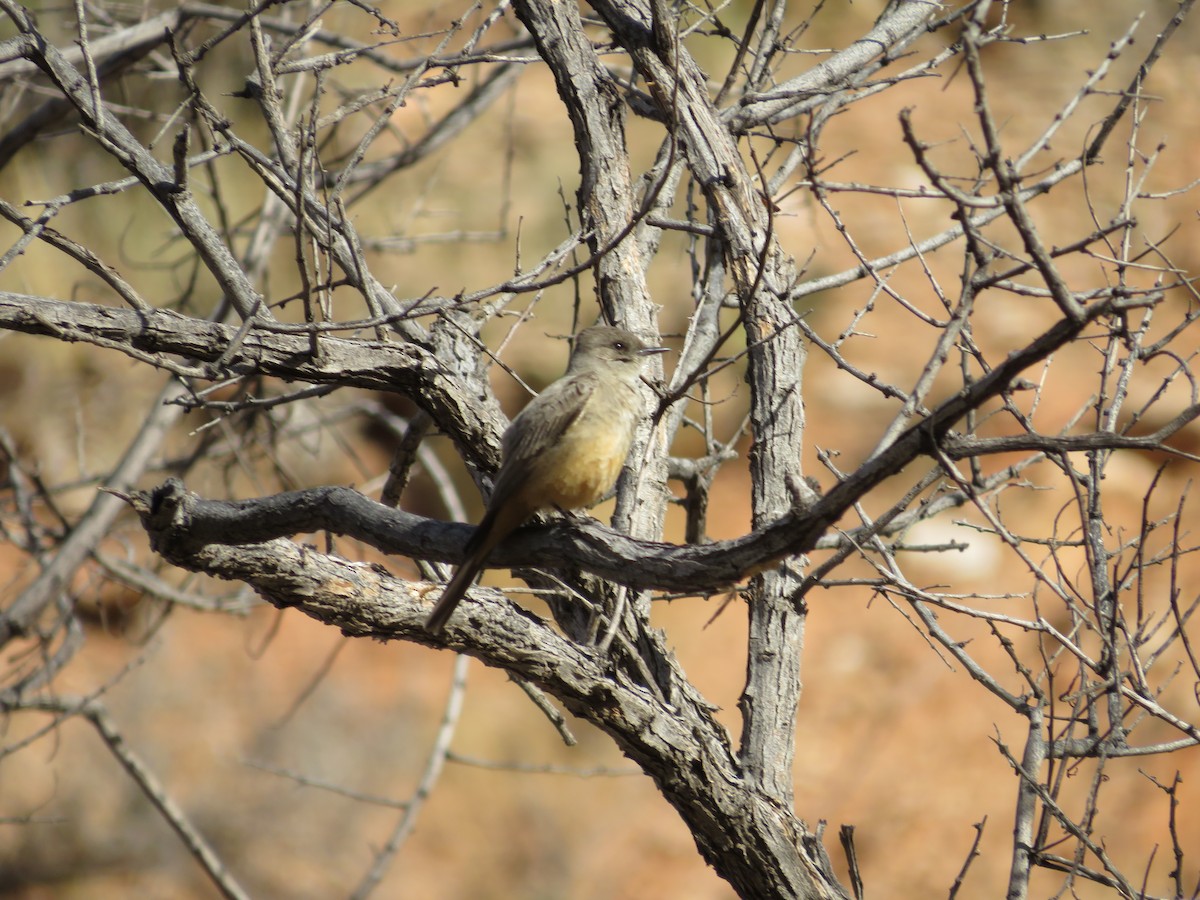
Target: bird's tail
(486,537)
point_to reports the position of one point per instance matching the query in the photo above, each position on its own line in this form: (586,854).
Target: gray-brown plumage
(564,450)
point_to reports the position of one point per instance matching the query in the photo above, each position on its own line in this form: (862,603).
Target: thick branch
(902,23)
(671,733)
(266,350)
(763,275)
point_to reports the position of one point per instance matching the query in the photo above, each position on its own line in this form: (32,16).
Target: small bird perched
(564,450)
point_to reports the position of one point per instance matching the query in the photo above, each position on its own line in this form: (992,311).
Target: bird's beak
(651,351)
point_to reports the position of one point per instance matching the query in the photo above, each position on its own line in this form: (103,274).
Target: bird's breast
(583,464)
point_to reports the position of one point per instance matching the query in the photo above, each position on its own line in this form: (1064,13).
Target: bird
(564,450)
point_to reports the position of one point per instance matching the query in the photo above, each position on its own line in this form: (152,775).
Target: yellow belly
(579,470)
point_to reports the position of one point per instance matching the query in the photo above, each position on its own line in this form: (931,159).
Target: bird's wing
(540,425)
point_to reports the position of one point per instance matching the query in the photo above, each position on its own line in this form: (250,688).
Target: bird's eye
(618,345)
